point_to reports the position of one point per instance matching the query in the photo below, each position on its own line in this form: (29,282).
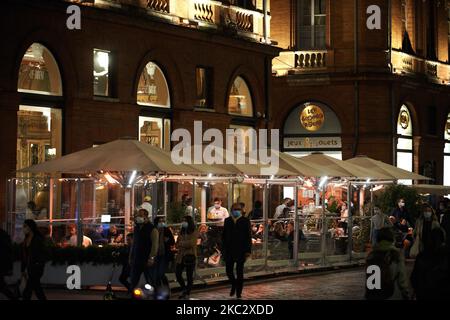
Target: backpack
(384,261)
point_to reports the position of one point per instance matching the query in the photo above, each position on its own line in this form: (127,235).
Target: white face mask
(427,214)
(401,204)
(139,220)
(217,206)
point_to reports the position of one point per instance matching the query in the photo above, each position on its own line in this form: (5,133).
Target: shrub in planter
(75,255)
(387,200)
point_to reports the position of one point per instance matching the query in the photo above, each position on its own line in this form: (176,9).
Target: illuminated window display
(39,72)
(102,73)
(152,88)
(240,99)
(155,131)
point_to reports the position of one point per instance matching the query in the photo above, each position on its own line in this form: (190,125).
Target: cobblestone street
(347,284)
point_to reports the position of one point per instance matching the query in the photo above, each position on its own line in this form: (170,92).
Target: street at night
(246,151)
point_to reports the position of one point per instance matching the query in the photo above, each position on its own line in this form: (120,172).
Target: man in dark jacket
(6,263)
(144,249)
(401,213)
(237,246)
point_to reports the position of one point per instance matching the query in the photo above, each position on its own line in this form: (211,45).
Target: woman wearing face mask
(237,246)
(422,233)
(33,260)
(164,255)
(186,255)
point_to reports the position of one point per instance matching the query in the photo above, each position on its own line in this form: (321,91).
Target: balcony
(293,62)
(412,66)
(200,14)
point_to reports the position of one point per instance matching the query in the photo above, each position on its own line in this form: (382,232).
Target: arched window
(152,92)
(447,152)
(39,126)
(152,88)
(404,148)
(240,99)
(39,72)
(310,127)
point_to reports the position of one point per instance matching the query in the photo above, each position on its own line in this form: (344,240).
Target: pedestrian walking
(186,255)
(163,257)
(144,250)
(430,277)
(6,263)
(393,281)
(237,246)
(34,256)
(422,232)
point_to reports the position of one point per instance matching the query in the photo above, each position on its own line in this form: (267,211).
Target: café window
(102,73)
(152,87)
(39,133)
(203,77)
(311,24)
(39,72)
(155,131)
(404,147)
(240,99)
(447,152)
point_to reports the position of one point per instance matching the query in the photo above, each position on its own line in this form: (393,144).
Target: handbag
(214,259)
(414,251)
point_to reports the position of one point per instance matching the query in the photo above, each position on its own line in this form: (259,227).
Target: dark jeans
(124,275)
(34,284)
(189,274)
(136,272)
(5,290)
(160,268)
(238,281)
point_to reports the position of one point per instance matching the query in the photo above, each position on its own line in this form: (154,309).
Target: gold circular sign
(312,118)
(404,119)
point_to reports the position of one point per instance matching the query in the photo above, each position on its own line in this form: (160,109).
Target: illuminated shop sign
(312,143)
(312,118)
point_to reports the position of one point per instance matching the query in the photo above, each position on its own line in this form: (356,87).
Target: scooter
(109,294)
(145,293)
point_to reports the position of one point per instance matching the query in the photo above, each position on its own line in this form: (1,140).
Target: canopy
(121,155)
(255,168)
(338,168)
(383,168)
(432,189)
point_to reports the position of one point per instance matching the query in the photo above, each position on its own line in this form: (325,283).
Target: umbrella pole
(350,221)
(296,227)
(203,205)
(193,199)
(155,199)
(266,222)
(165,200)
(78,213)
(324,226)
(50,211)
(127,207)
(230,194)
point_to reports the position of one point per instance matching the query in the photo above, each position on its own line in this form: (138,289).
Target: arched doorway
(404,158)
